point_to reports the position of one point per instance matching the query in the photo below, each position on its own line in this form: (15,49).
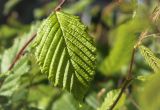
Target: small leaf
(7,31)
(150,58)
(110,98)
(144,78)
(12,81)
(150,94)
(67,102)
(9,5)
(9,55)
(78,6)
(65,53)
(92,101)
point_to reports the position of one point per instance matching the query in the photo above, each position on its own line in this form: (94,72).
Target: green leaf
(66,53)
(144,78)
(78,7)
(9,55)
(40,97)
(12,81)
(120,54)
(12,78)
(9,5)
(150,58)
(150,94)
(69,103)
(92,101)
(7,31)
(110,98)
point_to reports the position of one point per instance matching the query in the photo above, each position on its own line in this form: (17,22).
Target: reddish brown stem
(129,77)
(131,64)
(59,5)
(20,53)
(127,81)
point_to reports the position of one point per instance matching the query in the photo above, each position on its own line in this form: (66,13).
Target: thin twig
(101,93)
(131,64)
(134,103)
(129,77)
(125,85)
(19,54)
(59,6)
(152,35)
(127,81)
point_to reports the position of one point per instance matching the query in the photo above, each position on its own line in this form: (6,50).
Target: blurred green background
(115,26)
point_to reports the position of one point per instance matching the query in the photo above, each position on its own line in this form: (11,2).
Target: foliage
(110,98)
(68,43)
(150,94)
(126,34)
(150,58)
(80,56)
(12,82)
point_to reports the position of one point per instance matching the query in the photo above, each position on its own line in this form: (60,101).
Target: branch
(154,16)
(134,103)
(59,6)
(20,53)
(127,81)
(130,75)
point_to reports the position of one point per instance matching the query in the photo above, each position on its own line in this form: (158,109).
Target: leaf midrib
(67,50)
(65,42)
